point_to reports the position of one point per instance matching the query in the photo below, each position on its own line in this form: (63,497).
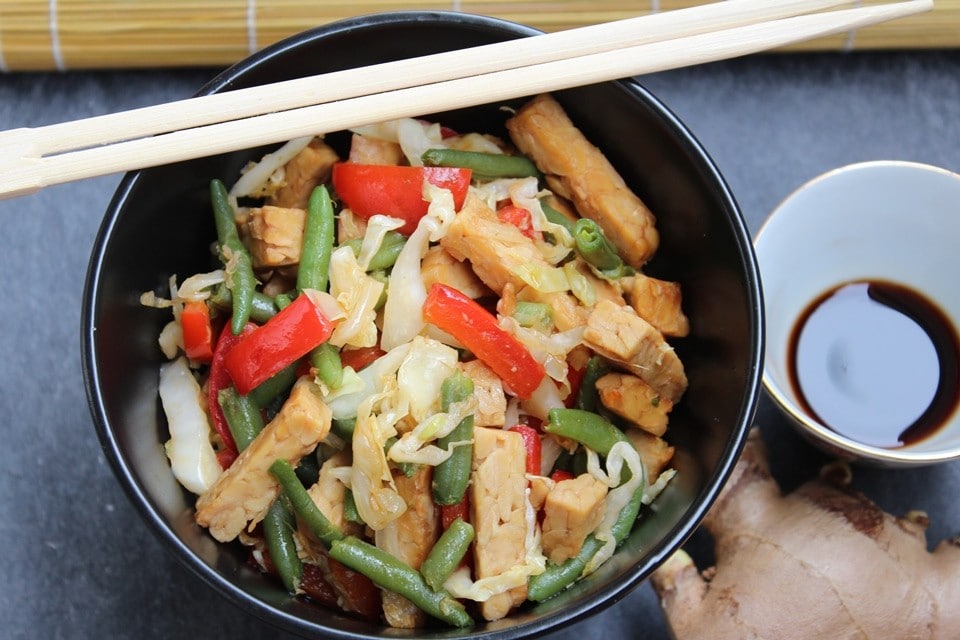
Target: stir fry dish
(426,379)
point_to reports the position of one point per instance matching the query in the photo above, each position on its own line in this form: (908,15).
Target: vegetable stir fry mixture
(430,380)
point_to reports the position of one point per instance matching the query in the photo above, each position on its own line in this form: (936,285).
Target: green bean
(558,577)
(262,310)
(451,477)
(447,552)
(282,300)
(343,427)
(242,415)
(350,512)
(628,515)
(235,257)
(278,526)
(244,420)
(537,315)
(389,573)
(386,255)
(597,250)
(484,165)
(325,359)
(318,238)
(274,386)
(587,397)
(303,504)
(585,427)
(555,216)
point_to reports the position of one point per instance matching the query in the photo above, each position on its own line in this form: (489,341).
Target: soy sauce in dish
(876,362)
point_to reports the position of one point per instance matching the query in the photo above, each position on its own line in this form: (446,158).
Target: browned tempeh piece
(618,333)
(244,492)
(630,397)
(498,512)
(572,510)
(659,302)
(274,236)
(309,168)
(575,169)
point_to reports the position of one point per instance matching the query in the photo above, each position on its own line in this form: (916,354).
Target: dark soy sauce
(876,362)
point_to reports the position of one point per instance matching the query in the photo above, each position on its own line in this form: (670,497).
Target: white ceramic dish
(886,221)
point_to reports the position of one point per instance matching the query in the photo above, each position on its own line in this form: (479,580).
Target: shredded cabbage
(372,379)
(403,313)
(413,136)
(621,453)
(419,378)
(371,481)
(253,180)
(192,458)
(358,294)
(377,228)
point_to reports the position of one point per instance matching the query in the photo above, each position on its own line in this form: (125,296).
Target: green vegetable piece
(344,428)
(587,397)
(262,310)
(386,255)
(589,429)
(451,477)
(598,251)
(534,315)
(235,257)
(487,166)
(447,553)
(274,386)
(350,512)
(555,216)
(558,577)
(303,504)
(242,415)
(318,239)
(278,526)
(325,359)
(387,572)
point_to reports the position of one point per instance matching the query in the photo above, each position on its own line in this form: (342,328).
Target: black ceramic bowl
(159,224)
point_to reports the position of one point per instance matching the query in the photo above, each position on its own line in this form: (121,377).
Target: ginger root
(821,562)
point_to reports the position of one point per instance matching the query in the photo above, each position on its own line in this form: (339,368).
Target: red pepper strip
(217,380)
(449,513)
(520,218)
(197,331)
(575,378)
(395,191)
(285,337)
(531,442)
(560,475)
(360,357)
(477,329)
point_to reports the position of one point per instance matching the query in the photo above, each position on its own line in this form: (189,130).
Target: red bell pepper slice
(520,218)
(360,357)
(477,329)
(285,337)
(560,475)
(217,380)
(197,331)
(450,512)
(395,191)
(533,446)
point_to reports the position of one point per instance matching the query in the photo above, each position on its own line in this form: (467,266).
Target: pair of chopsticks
(32,158)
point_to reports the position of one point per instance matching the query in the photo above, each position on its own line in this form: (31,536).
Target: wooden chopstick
(241,119)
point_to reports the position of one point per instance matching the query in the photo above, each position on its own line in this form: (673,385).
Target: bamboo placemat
(95,34)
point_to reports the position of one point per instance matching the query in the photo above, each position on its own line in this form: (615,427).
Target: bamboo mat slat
(42,35)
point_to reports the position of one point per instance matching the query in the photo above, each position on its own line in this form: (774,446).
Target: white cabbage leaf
(358,294)
(192,458)
(403,312)
(622,453)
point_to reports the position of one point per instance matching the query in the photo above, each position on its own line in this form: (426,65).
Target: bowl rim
(578,609)
(800,420)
